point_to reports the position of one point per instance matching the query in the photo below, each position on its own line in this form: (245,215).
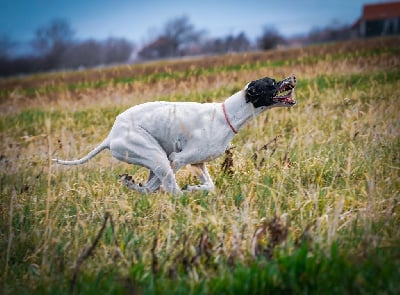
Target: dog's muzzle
(284,94)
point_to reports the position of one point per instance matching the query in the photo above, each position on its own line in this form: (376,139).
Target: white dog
(165,136)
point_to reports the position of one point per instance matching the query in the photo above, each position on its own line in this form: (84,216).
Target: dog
(165,136)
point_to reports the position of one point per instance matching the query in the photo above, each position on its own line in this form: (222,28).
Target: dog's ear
(251,92)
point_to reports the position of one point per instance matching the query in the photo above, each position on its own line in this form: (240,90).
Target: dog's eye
(251,90)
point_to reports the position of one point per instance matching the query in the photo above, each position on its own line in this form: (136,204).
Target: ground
(306,199)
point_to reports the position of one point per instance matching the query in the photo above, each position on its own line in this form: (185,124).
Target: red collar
(227,119)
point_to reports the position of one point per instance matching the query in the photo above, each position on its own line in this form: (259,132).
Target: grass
(168,72)
(308,204)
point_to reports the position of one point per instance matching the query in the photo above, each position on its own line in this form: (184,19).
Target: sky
(139,21)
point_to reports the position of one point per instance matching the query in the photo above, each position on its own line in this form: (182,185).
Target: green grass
(302,271)
(166,73)
(311,204)
(32,120)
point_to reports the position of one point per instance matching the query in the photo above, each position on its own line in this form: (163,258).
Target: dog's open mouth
(284,95)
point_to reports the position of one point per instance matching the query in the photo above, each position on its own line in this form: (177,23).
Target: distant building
(379,19)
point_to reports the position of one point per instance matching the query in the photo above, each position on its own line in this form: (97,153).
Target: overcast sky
(138,20)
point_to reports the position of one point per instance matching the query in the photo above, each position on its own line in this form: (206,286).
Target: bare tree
(117,50)
(57,49)
(270,38)
(241,43)
(160,47)
(181,33)
(86,53)
(6,45)
(51,41)
(230,43)
(333,32)
(177,35)
(89,53)
(55,34)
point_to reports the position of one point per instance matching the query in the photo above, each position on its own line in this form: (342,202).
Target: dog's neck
(238,111)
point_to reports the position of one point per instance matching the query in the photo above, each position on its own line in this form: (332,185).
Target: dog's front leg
(168,181)
(176,161)
(202,173)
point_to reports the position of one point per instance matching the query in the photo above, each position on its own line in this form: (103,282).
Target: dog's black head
(267,92)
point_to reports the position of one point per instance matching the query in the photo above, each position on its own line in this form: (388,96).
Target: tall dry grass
(327,169)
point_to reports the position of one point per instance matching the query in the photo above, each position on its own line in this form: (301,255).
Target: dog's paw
(129,182)
(125,176)
(190,188)
(126,179)
(199,187)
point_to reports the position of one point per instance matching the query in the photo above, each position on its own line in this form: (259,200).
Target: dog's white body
(165,136)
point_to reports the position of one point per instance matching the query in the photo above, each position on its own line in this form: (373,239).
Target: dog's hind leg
(152,184)
(206,182)
(137,146)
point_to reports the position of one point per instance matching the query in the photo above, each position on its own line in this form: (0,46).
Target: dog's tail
(104,145)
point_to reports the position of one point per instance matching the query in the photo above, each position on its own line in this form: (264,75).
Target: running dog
(165,136)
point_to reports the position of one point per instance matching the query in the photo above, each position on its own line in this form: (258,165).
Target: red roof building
(379,19)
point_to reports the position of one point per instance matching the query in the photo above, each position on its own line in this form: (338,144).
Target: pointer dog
(165,136)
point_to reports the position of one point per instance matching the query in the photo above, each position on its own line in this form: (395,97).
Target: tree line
(54,46)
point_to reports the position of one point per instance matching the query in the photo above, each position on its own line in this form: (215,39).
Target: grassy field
(307,198)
